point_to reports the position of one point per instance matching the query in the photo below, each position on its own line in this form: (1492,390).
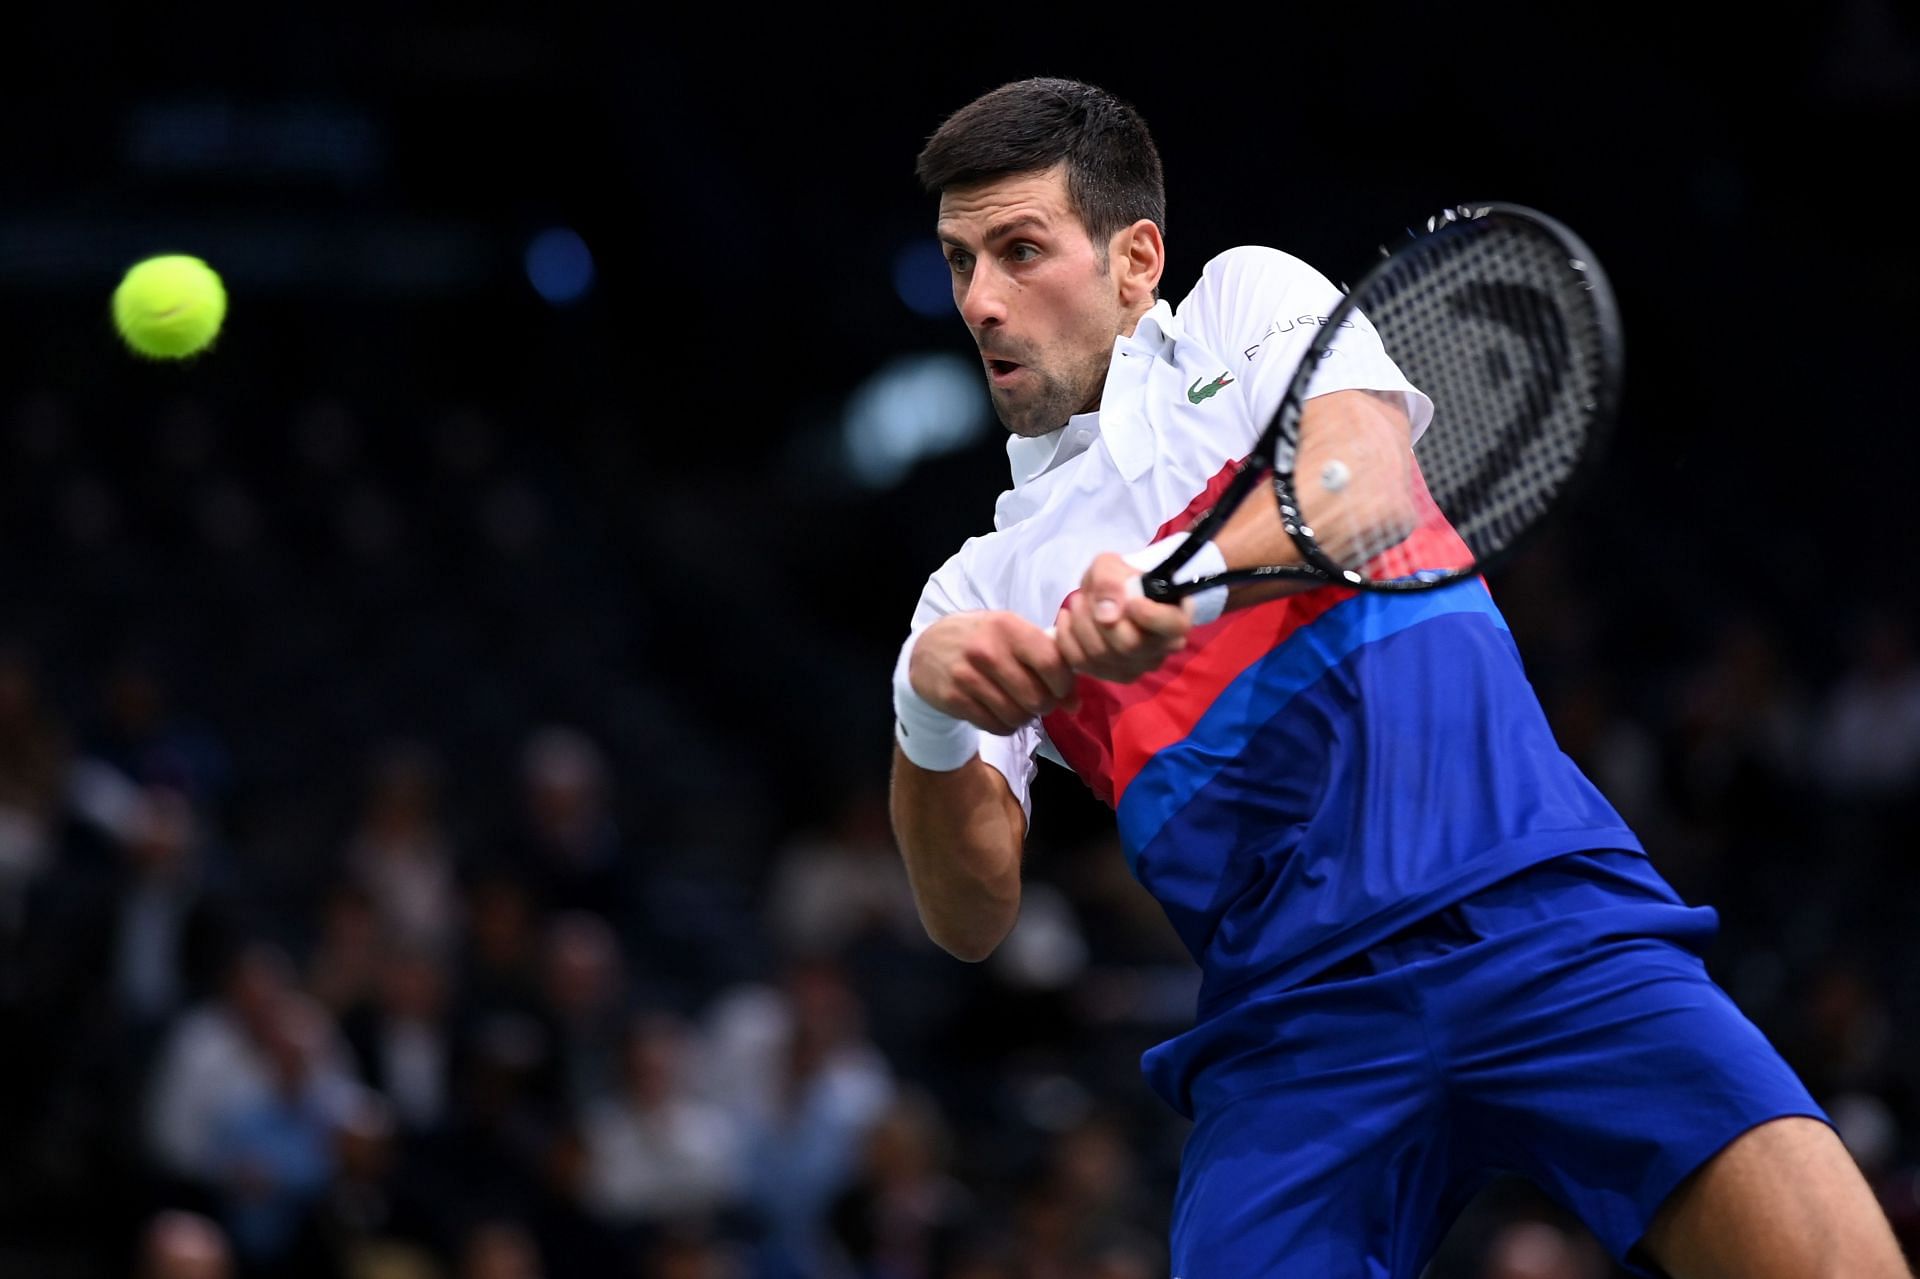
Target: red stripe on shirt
(1119,727)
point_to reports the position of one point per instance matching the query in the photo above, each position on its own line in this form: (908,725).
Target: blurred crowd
(462,999)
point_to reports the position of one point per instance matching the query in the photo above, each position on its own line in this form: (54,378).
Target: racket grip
(1205,560)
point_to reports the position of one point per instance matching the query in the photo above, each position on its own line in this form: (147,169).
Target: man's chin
(1027,432)
(1026,425)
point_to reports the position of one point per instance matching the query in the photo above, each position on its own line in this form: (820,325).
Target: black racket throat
(1316,566)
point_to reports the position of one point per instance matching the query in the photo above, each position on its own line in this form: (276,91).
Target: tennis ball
(169,307)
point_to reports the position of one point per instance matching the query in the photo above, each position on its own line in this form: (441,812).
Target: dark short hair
(1113,168)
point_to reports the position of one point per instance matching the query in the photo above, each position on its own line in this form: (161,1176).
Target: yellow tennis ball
(170,307)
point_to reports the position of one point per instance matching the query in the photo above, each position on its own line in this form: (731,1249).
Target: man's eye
(959,262)
(1023,253)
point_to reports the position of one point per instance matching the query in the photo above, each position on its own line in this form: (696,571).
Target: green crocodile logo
(1197,393)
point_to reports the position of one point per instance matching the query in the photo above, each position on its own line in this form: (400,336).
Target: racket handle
(1189,563)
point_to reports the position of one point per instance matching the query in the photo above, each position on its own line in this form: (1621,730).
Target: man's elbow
(1395,516)
(968,950)
(1378,521)
(970,940)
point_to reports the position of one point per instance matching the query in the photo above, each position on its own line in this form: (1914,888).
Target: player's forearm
(1354,475)
(960,834)
(1255,535)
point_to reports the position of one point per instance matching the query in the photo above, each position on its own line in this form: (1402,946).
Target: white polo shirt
(1186,396)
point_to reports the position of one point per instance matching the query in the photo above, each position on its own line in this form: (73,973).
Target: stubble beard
(1046,408)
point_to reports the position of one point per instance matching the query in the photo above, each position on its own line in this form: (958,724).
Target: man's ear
(1139,257)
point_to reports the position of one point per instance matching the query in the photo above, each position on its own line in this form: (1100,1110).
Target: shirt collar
(1031,456)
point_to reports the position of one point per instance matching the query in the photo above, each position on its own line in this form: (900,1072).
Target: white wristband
(1208,604)
(930,738)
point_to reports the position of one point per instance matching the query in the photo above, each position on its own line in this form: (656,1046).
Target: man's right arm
(959,826)
(961,834)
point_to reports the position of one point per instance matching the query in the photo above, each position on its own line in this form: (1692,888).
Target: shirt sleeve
(953,590)
(1261,308)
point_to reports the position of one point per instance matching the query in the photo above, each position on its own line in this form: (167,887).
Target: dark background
(406,498)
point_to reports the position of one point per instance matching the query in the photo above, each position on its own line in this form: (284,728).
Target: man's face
(1037,294)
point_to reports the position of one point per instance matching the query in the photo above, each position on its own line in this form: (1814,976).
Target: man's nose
(983,303)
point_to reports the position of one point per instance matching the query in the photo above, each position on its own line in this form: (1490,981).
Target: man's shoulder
(1253,261)
(1245,281)
(1256,256)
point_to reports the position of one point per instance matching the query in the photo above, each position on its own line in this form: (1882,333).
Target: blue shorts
(1559,1026)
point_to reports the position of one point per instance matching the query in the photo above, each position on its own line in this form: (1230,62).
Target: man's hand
(994,670)
(1108,630)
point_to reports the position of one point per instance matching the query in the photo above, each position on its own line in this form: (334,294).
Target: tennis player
(1432,953)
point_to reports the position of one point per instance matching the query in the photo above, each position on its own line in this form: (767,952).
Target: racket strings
(1493,321)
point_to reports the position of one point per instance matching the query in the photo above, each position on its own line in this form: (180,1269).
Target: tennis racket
(1504,318)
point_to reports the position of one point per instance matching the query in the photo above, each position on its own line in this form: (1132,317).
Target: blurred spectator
(1736,762)
(1087,1194)
(1046,1234)
(499,977)
(228,1056)
(35,750)
(1122,925)
(112,951)
(689,1253)
(500,968)
(166,926)
(1131,1256)
(841,892)
(138,730)
(109,946)
(1595,729)
(568,849)
(657,1151)
(831,887)
(401,850)
(1555,621)
(986,1254)
(585,1002)
(270,1152)
(376,1218)
(343,971)
(1023,1014)
(904,1214)
(806,1094)
(490,1156)
(500,1250)
(184,1245)
(1868,743)
(1742,725)
(1741,710)
(1527,1249)
(1045,953)
(1869,1129)
(1841,1033)
(126,943)
(573,1236)
(403,1040)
